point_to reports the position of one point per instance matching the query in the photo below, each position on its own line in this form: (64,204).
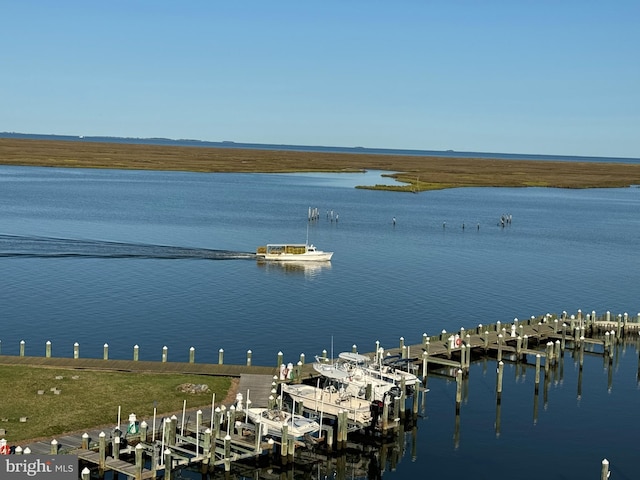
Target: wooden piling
(47,349)
(604,473)
(105,351)
(165,353)
(139,460)
(221,356)
(192,355)
(168,465)
(458,390)
(537,378)
(85,474)
(136,352)
(102,451)
(22,344)
(499,382)
(76,350)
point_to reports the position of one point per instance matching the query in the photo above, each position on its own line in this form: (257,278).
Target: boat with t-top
(298,252)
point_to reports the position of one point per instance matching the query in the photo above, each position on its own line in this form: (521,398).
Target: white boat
(331,401)
(360,371)
(356,379)
(273,420)
(390,368)
(298,252)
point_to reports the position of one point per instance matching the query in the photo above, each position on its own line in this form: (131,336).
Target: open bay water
(164,259)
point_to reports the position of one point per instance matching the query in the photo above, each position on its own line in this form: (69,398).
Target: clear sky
(510,76)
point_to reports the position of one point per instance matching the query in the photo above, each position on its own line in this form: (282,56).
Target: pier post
(479,329)
(136,352)
(284,441)
(85,441)
(102,450)
(216,422)
(173,428)
(498,326)
(144,428)
(281,360)
(139,460)
(324,357)
(604,473)
(221,356)
(76,350)
(518,347)
(302,359)
(463,357)
(206,444)
(168,465)
(557,351)
(198,423)
(47,349)
(85,474)
(105,351)
(401,343)
(116,446)
(607,341)
(22,343)
(458,391)
(354,348)
(192,355)
(165,353)
(449,345)
(486,340)
(619,326)
(537,378)
(581,352)
(548,359)
(525,342)
(500,347)
(499,382)
(425,339)
(385,417)
(425,366)
(249,354)
(54,447)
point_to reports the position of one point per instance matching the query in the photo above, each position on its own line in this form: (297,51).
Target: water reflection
(308,269)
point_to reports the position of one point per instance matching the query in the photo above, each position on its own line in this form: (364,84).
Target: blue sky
(513,76)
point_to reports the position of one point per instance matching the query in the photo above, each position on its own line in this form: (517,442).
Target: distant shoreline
(418,172)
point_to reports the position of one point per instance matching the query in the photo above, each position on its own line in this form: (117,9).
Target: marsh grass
(432,172)
(90,398)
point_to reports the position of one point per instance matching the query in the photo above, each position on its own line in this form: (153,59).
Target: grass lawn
(88,399)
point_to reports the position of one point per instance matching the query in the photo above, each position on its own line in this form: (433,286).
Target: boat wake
(15,246)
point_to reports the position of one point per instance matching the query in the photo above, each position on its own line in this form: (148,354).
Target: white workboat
(296,252)
(331,401)
(272,422)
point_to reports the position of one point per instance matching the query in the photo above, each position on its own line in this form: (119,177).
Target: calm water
(161,259)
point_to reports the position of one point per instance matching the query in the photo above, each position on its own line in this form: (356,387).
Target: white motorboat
(331,401)
(356,381)
(273,421)
(297,252)
(388,369)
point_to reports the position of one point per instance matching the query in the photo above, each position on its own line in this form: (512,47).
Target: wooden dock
(544,338)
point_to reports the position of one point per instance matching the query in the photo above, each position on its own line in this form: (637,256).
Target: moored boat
(331,401)
(273,421)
